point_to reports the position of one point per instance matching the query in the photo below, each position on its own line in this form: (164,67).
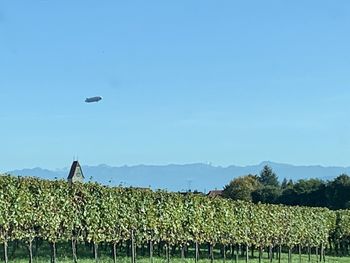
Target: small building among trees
(215,193)
(75,173)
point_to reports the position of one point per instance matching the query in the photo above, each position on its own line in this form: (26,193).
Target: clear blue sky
(227,82)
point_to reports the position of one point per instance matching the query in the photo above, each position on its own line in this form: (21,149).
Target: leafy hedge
(56,211)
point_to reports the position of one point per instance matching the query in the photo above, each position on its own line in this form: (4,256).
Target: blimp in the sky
(93,99)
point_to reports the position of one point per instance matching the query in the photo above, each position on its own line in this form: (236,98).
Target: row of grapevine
(55,211)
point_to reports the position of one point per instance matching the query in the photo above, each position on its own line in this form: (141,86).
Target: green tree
(309,192)
(287,183)
(266,194)
(337,192)
(241,188)
(268,177)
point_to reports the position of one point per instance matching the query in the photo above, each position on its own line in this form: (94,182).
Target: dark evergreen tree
(338,192)
(284,183)
(267,177)
(287,183)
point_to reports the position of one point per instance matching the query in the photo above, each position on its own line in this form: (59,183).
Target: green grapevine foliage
(56,211)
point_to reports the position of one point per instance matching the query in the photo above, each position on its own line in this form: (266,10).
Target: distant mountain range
(176,177)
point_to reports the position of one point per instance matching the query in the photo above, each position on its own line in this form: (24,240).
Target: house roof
(74,167)
(214,193)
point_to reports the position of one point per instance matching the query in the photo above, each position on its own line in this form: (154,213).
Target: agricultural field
(55,221)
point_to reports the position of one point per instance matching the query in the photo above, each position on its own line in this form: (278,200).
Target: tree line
(266,188)
(54,211)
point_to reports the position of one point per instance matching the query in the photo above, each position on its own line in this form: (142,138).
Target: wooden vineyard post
(224,252)
(151,251)
(133,253)
(260,254)
(289,255)
(74,250)
(5,252)
(167,253)
(324,255)
(232,252)
(114,252)
(270,253)
(182,252)
(96,251)
(30,250)
(279,253)
(53,252)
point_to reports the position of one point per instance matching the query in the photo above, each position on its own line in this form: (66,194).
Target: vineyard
(56,212)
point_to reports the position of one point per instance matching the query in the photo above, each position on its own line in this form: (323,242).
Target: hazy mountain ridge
(180,177)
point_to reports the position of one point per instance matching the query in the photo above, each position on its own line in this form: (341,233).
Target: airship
(93,99)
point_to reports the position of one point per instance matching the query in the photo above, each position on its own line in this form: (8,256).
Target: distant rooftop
(215,193)
(75,173)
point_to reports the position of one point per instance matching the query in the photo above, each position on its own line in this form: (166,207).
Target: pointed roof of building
(74,169)
(215,193)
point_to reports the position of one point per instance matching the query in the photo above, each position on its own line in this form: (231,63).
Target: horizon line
(180,164)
